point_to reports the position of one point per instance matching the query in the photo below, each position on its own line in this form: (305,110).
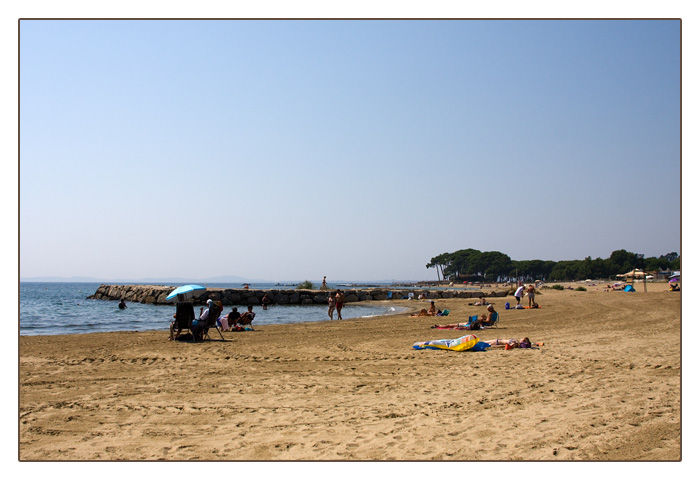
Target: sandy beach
(605,386)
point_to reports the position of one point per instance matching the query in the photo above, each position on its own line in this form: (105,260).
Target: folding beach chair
(495,319)
(184,314)
(214,313)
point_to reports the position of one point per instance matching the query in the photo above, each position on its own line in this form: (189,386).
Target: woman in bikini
(531,296)
(331,306)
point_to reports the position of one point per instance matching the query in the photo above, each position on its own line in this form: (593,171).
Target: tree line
(474,265)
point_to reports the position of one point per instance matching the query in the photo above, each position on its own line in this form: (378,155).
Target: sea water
(60,308)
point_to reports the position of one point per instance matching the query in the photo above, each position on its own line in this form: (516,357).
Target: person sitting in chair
(184,315)
(247,317)
(232,318)
(491,318)
(198,325)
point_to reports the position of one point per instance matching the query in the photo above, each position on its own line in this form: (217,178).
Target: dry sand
(605,386)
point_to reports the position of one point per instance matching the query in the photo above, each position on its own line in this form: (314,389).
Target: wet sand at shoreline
(605,386)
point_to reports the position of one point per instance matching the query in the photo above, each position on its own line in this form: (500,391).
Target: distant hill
(181,281)
(166,281)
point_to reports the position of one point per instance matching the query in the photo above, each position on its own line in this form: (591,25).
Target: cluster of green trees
(474,265)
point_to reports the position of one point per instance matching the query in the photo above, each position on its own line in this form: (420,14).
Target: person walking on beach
(531,296)
(519,293)
(331,305)
(339,301)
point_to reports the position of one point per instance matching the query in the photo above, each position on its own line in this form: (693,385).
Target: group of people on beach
(184,317)
(235,321)
(530,295)
(486,320)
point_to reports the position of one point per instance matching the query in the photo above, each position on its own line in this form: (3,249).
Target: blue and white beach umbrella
(185,289)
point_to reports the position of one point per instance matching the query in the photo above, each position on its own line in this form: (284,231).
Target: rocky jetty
(155,294)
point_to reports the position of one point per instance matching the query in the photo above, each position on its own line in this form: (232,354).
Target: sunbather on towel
(510,344)
(475,325)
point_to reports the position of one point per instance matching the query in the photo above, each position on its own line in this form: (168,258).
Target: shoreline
(605,386)
(386,305)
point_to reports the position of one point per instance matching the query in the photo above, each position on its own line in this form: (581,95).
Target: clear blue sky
(353,149)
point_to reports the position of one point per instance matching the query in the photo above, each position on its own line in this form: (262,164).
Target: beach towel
(222,322)
(460,344)
(241,328)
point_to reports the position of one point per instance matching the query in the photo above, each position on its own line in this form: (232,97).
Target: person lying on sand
(509,344)
(474,325)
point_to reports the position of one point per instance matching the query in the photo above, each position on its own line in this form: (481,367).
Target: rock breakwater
(156,294)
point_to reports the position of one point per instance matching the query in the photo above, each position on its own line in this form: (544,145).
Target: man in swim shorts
(339,300)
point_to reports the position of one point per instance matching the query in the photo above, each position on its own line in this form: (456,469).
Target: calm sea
(63,308)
